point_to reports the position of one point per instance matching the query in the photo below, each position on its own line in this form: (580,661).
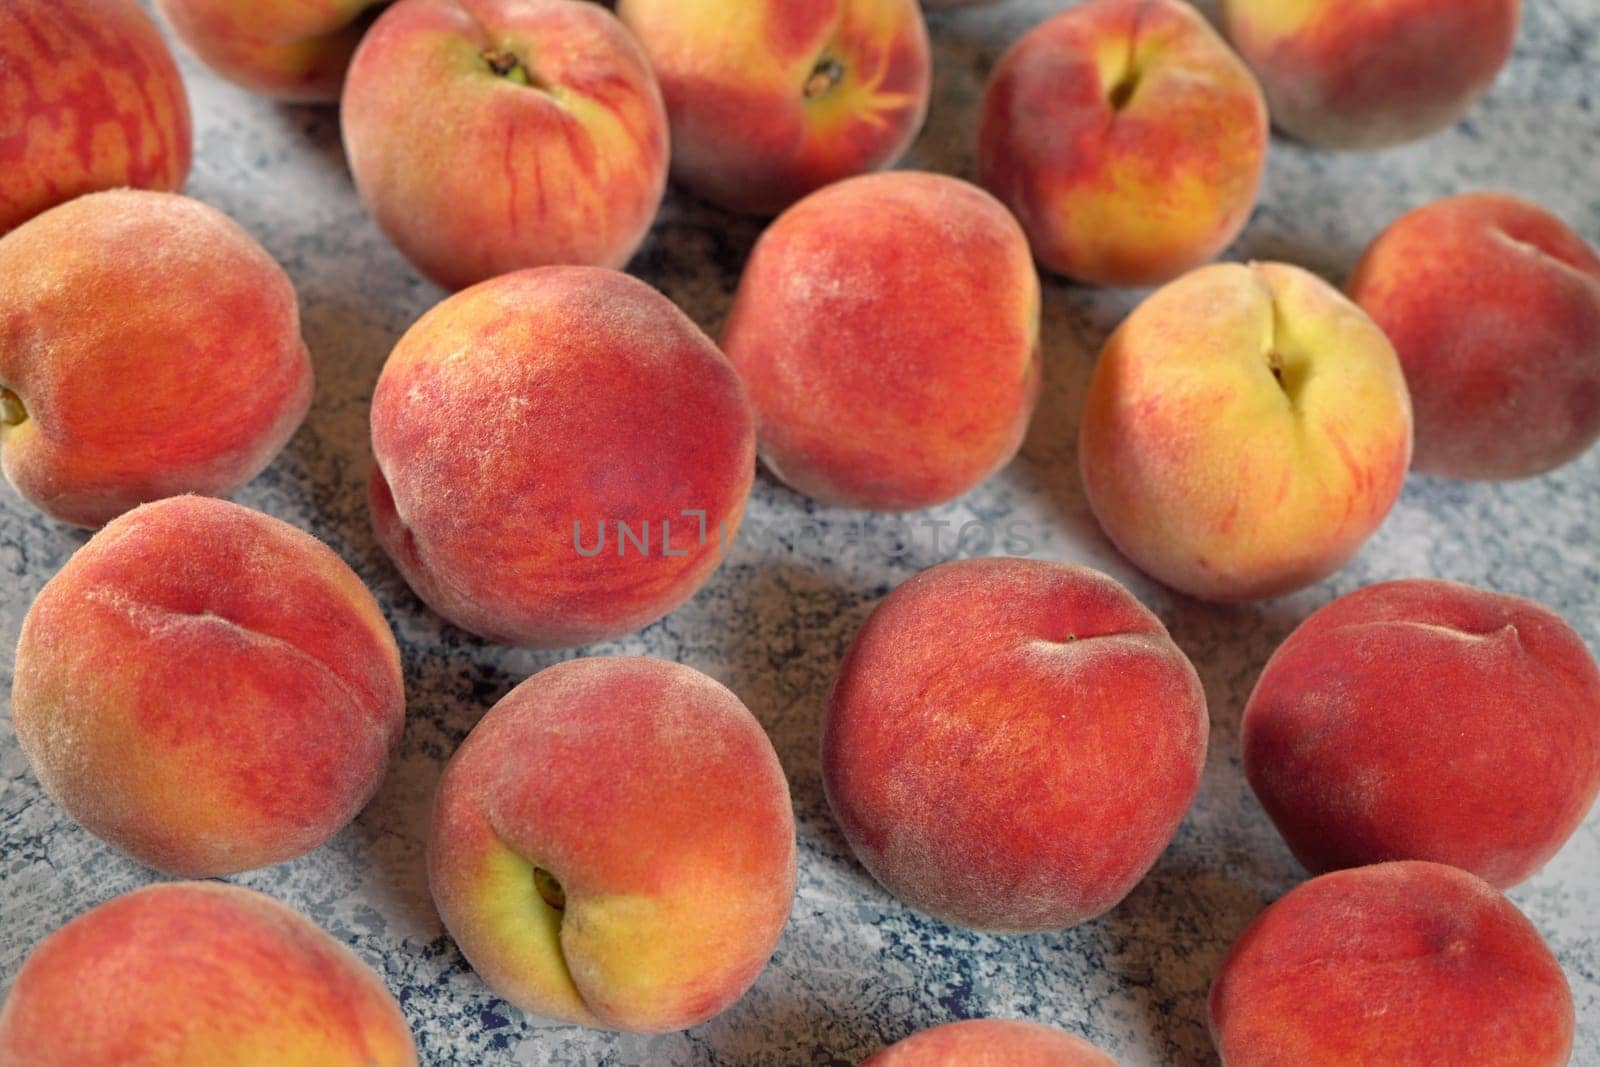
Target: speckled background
(856,969)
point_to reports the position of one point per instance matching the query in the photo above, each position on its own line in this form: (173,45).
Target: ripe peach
(562,457)
(1401,964)
(991,1043)
(770,100)
(1127,137)
(207,688)
(487,136)
(1011,743)
(1427,720)
(887,328)
(1247,429)
(1375,73)
(613,845)
(199,974)
(148,347)
(92,100)
(1493,304)
(291,50)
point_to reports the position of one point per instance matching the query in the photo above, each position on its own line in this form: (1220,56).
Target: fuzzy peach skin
(1247,428)
(887,328)
(92,100)
(520,425)
(199,974)
(770,100)
(491,135)
(1427,720)
(1371,73)
(1127,137)
(291,50)
(207,688)
(991,1043)
(1010,744)
(1393,965)
(148,347)
(1493,304)
(613,845)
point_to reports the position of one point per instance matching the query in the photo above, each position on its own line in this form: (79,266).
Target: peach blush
(887,328)
(1493,304)
(207,688)
(520,426)
(1127,137)
(991,1043)
(613,845)
(1010,744)
(1397,963)
(1246,430)
(494,135)
(1427,720)
(770,100)
(199,974)
(93,101)
(151,348)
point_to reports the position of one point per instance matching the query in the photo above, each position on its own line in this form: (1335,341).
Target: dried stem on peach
(12,413)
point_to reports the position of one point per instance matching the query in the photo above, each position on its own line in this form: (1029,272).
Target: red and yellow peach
(527,428)
(207,688)
(1375,73)
(613,845)
(1404,964)
(770,100)
(997,1042)
(199,974)
(292,50)
(1427,720)
(1493,305)
(150,347)
(495,135)
(1247,428)
(92,101)
(887,328)
(1127,137)
(1010,744)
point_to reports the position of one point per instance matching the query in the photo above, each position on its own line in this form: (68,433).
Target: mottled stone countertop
(855,969)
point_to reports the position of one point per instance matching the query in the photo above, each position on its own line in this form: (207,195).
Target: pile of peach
(562,457)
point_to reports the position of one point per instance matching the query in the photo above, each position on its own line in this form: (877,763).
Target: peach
(1427,720)
(562,457)
(199,974)
(1247,428)
(991,1043)
(1010,744)
(93,100)
(1493,304)
(1127,137)
(486,136)
(291,50)
(148,347)
(1375,73)
(207,688)
(613,845)
(887,328)
(770,100)
(1400,964)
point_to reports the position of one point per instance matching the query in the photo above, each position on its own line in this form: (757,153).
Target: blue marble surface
(856,969)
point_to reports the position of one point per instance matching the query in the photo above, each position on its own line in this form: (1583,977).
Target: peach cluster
(207,688)
(1010,744)
(199,974)
(887,329)
(149,347)
(92,100)
(613,845)
(562,457)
